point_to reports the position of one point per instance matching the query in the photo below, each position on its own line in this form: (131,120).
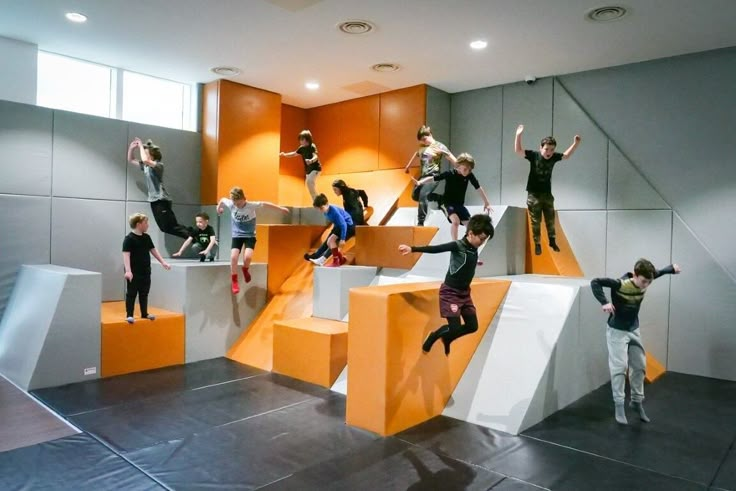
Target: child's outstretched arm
(671,269)
(431,249)
(486,203)
(423,180)
(268,204)
(183,247)
(221,206)
(517,141)
(288,154)
(411,160)
(136,142)
(571,150)
(157,255)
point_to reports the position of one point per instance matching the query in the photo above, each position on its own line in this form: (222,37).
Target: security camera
(530,79)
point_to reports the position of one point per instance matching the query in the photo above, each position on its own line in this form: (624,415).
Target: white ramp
(545,349)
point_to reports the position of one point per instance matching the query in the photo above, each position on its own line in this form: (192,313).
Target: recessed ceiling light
(76,17)
(356,27)
(385,67)
(226,71)
(606,14)
(478,44)
(312,85)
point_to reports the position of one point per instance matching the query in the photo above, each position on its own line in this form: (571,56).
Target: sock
(639,408)
(246,274)
(336,254)
(234,286)
(429,341)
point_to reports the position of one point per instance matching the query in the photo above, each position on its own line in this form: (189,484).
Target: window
(155,101)
(74,85)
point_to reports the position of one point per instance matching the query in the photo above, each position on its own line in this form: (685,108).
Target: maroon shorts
(454,303)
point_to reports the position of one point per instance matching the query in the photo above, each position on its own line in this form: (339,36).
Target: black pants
(454,329)
(166,220)
(139,286)
(324,249)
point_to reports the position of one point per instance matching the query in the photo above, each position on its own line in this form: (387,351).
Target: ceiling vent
(226,71)
(385,67)
(356,27)
(606,14)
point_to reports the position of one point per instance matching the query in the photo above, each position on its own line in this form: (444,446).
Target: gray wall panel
(702,319)
(578,183)
(181,157)
(438,114)
(101,253)
(89,156)
(648,234)
(586,232)
(530,105)
(25,143)
(476,128)
(627,188)
(26,221)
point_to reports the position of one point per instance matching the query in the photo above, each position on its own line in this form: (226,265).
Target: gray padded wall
(25,141)
(476,128)
(530,105)
(627,188)
(438,114)
(586,232)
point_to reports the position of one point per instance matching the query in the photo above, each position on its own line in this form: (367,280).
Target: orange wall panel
(208,180)
(359,132)
(325,124)
(402,113)
(293,121)
(249,133)
(379,246)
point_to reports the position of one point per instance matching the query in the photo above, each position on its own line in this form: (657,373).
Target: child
(351,200)
(456,183)
(153,169)
(137,250)
(342,229)
(308,151)
(203,236)
(243,220)
(539,184)
(622,332)
(430,157)
(455,300)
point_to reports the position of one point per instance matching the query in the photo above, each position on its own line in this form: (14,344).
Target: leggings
(454,329)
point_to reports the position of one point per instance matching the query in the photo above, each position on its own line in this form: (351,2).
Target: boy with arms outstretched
(456,184)
(622,332)
(539,184)
(455,300)
(308,152)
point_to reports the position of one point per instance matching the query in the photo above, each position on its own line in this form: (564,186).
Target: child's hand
(519,129)
(488,209)
(129,276)
(609,308)
(281,154)
(219,210)
(284,210)
(404,249)
(177,254)
(341,244)
(676,268)
(406,170)
(577,139)
(166,265)
(414,179)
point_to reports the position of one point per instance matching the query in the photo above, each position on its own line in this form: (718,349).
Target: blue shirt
(340,218)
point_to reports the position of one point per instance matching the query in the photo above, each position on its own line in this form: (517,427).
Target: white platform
(214,317)
(50,333)
(332,289)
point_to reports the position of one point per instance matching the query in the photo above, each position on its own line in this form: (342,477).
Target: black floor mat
(76,463)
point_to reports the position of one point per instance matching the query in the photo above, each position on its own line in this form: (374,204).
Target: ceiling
(280,44)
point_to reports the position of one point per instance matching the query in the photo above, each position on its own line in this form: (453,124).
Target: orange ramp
(144,345)
(379,246)
(561,263)
(392,385)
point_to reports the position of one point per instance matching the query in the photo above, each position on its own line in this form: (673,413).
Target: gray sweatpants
(625,348)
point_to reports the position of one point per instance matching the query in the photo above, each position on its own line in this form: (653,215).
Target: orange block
(310,349)
(392,385)
(145,345)
(561,263)
(655,369)
(379,246)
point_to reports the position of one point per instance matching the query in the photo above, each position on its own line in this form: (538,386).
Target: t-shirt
(202,237)
(540,171)
(626,298)
(139,247)
(430,159)
(351,202)
(463,260)
(339,218)
(155,181)
(307,153)
(243,220)
(456,185)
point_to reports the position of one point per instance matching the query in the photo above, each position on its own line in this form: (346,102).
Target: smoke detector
(385,67)
(356,27)
(606,14)
(226,71)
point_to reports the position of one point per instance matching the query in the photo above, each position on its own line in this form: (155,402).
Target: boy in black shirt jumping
(455,300)
(622,333)
(456,184)
(203,236)
(137,250)
(539,184)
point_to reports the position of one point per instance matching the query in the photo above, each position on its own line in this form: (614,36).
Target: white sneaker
(320,261)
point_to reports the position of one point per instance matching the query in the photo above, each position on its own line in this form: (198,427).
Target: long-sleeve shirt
(351,199)
(626,298)
(463,259)
(339,218)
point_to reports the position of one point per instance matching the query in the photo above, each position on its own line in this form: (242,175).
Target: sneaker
(621,415)
(246,274)
(446,343)
(201,258)
(130,320)
(639,408)
(553,245)
(320,261)
(234,286)
(537,249)
(150,317)
(212,259)
(429,342)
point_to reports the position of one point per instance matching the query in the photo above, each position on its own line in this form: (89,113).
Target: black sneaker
(429,341)
(212,259)
(553,245)
(447,346)
(201,258)
(537,249)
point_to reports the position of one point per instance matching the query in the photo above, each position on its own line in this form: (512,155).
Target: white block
(332,289)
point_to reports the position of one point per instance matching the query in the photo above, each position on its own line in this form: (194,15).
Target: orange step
(144,345)
(379,246)
(561,263)
(392,384)
(310,349)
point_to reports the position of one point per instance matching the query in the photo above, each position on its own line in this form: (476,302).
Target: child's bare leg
(247,257)
(455,220)
(234,254)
